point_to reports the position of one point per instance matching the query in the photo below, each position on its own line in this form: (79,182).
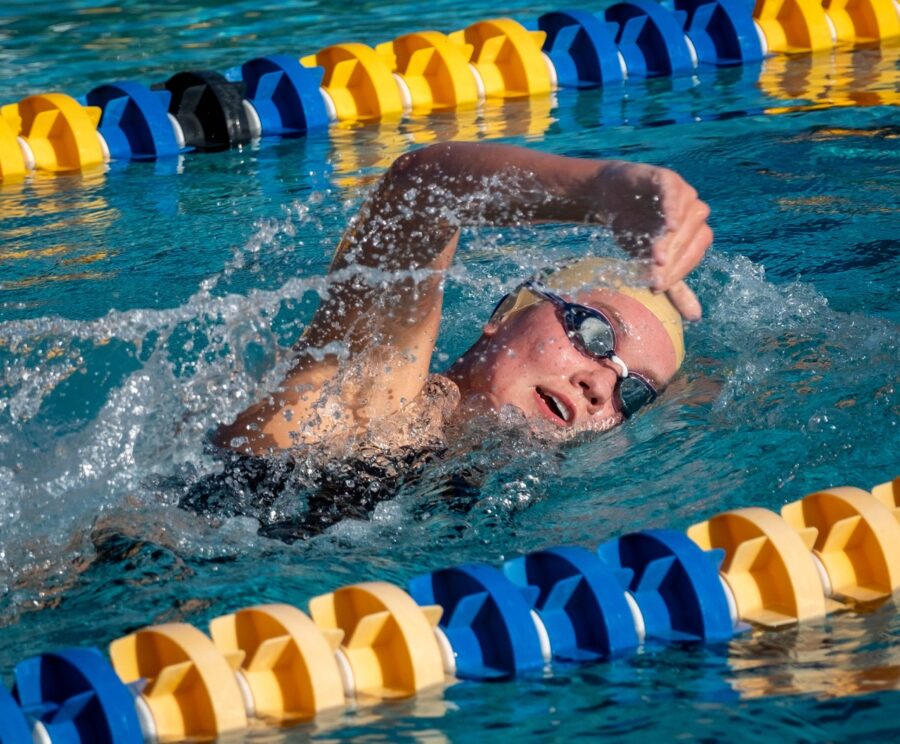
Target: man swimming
(577,350)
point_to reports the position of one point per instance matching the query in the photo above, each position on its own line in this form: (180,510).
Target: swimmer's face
(526,360)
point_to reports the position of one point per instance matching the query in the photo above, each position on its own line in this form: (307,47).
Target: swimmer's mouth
(561,413)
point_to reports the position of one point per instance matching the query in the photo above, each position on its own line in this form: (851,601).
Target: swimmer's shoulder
(420,423)
(322,422)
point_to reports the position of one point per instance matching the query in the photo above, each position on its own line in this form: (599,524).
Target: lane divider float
(75,695)
(285,95)
(486,619)
(675,585)
(507,58)
(862,21)
(186,687)
(433,70)
(373,641)
(388,640)
(499,58)
(768,566)
(855,541)
(722,32)
(56,133)
(582,49)
(651,39)
(288,666)
(792,26)
(358,82)
(580,601)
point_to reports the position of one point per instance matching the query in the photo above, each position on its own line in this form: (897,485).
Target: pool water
(142,306)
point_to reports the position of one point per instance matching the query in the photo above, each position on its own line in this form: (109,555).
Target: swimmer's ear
(500,312)
(492,326)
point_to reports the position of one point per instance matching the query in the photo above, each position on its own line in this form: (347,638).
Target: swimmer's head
(526,359)
(597,272)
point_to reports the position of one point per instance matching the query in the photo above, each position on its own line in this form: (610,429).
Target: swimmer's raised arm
(386,279)
(432,192)
(412,221)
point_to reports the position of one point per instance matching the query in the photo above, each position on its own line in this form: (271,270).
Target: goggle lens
(591,330)
(634,394)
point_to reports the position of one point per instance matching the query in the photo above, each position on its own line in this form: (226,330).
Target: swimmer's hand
(656,215)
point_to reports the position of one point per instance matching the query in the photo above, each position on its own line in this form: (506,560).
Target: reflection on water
(841,77)
(851,654)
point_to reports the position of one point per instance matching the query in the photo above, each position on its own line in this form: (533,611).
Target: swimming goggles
(592,333)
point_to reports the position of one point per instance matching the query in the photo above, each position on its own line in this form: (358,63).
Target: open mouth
(558,408)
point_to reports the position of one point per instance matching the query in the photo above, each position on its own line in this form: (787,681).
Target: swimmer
(577,349)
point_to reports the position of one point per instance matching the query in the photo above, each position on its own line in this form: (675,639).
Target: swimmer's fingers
(675,197)
(682,250)
(680,295)
(688,247)
(685,301)
(679,251)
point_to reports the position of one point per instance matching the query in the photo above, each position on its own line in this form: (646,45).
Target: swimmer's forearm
(429,194)
(480,183)
(505,184)
(653,212)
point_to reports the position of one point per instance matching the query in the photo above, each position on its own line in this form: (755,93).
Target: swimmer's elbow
(433,161)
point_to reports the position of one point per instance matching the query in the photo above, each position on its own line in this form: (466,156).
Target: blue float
(676,585)
(582,48)
(487,620)
(580,601)
(135,122)
(13,724)
(285,94)
(722,31)
(651,39)
(78,698)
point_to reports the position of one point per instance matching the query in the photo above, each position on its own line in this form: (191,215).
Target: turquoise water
(140,307)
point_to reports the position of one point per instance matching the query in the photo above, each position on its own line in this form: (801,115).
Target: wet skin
(526,360)
(412,221)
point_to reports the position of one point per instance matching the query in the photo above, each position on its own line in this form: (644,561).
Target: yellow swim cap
(620,276)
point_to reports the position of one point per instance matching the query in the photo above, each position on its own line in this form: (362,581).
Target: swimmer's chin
(483,406)
(549,433)
(477,405)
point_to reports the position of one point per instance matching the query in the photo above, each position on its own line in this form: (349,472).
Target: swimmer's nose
(595,385)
